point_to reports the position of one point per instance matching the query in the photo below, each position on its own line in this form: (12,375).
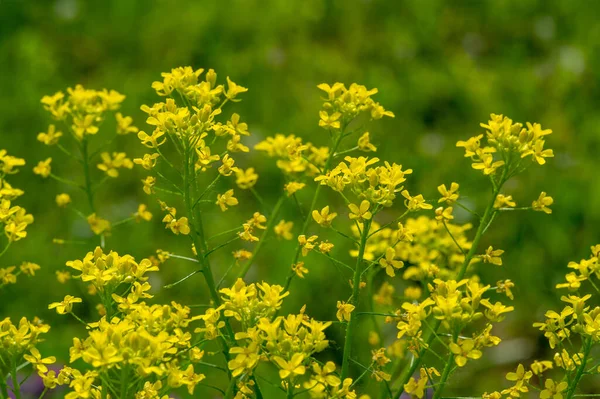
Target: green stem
(351,328)
(16,388)
(86,174)
(263,238)
(445,375)
(587,345)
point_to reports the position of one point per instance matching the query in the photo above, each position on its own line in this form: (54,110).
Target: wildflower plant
(406,264)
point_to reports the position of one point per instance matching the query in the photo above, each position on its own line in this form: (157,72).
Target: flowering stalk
(354,300)
(416,363)
(587,345)
(313,205)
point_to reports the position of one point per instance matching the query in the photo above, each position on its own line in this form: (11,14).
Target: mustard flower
(43,168)
(143,213)
(299,269)
(51,137)
(492,256)
(463,350)
(233,90)
(283,229)
(307,244)
(291,368)
(344,310)
(38,361)
(538,153)
(246,179)
(553,390)
(292,187)
(227,168)
(226,199)
(324,218)
(415,203)
(520,375)
(149,183)
(361,212)
(389,262)
(66,306)
(542,203)
(148,161)
(125,124)
(111,164)
(330,121)
(449,196)
(444,214)
(364,143)
(98,225)
(63,200)
(504,201)
(29,268)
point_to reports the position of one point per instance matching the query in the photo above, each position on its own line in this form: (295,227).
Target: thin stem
(351,328)
(86,173)
(263,238)
(587,345)
(454,239)
(16,388)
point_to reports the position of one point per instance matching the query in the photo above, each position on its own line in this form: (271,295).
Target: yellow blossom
(449,196)
(292,187)
(226,199)
(43,168)
(361,212)
(344,310)
(542,203)
(63,200)
(66,306)
(324,218)
(283,229)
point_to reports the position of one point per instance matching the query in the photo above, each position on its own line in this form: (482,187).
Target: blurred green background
(441,68)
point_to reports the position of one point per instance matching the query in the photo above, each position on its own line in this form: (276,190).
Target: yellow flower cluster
(508,146)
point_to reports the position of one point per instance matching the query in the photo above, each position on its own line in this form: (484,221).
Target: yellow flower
(553,390)
(63,200)
(149,183)
(66,306)
(148,161)
(51,137)
(283,229)
(226,199)
(364,143)
(330,121)
(504,201)
(233,89)
(29,268)
(324,218)
(542,203)
(62,276)
(307,244)
(178,226)
(40,363)
(299,269)
(290,368)
(487,164)
(389,263)
(449,196)
(152,141)
(444,214)
(360,213)
(125,124)
(292,187)
(143,213)
(465,350)
(415,203)
(332,91)
(520,375)
(111,164)
(417,387)
(344,310)
(227,168)
(538,153)
(98,225)
(43,168)
(246,179)
(492,256)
